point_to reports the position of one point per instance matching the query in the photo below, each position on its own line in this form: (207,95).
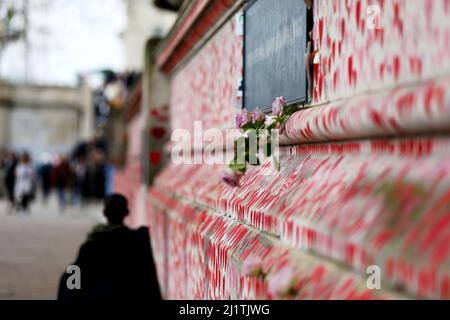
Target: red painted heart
(155,158)
(158,133)
(154,112)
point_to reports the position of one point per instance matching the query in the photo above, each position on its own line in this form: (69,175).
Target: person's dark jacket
(62,175)
(116,263)
(10,179)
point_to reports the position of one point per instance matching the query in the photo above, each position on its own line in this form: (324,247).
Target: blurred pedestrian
(45,175)
(79,169)
(99,174)
(62,177)
(115,262)
(10,177)
(25,183)
(3,164)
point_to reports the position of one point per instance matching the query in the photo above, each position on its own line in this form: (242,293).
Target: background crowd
(77,178)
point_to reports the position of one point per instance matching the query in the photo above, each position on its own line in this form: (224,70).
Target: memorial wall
(364,180)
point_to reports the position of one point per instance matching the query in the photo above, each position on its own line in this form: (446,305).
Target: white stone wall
(43,130)
(144,22)
(44,119)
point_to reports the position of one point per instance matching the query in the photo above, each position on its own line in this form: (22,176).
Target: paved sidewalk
(35,249)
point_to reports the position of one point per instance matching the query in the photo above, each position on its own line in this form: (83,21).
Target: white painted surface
(43,130)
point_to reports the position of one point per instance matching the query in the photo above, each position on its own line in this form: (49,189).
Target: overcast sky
(67,37)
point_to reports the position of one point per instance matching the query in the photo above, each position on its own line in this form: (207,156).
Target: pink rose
(281,282)
(278,106)
(231,177)
(269,120)
(243,118)
(258,115)
(252,265)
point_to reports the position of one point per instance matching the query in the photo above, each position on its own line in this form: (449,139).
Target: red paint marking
(358,14)
(350,70)
(158,133)
(155,158)
(382,238)
(376,118)
(445,288)
(320,31)
(396,68)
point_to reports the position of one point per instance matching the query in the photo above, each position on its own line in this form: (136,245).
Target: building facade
(144,21)
(45,120)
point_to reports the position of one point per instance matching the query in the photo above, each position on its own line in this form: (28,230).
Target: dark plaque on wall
(275,39)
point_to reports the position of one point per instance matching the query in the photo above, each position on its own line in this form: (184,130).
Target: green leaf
(240,167)
(288,111)
(272,126)
(248,126)
(258,125)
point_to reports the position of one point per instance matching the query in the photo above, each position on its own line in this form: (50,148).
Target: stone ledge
(402,111)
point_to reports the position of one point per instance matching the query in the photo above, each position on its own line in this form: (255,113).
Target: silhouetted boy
(115,262)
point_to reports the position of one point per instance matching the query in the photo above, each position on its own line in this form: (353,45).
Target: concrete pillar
(155,98)
(87,124)
(4,125)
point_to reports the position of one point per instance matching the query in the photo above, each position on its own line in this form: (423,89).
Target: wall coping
(198,21)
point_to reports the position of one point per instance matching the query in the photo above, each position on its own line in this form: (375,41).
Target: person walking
(79,170)
(24,187)
(62,180)
(115,262)
(10,178)
(3,167)
(45,177)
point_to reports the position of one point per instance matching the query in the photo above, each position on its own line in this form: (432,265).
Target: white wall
(144,22)
(44,119)
(43,130)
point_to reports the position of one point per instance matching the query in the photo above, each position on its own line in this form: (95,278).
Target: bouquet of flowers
(257,131)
